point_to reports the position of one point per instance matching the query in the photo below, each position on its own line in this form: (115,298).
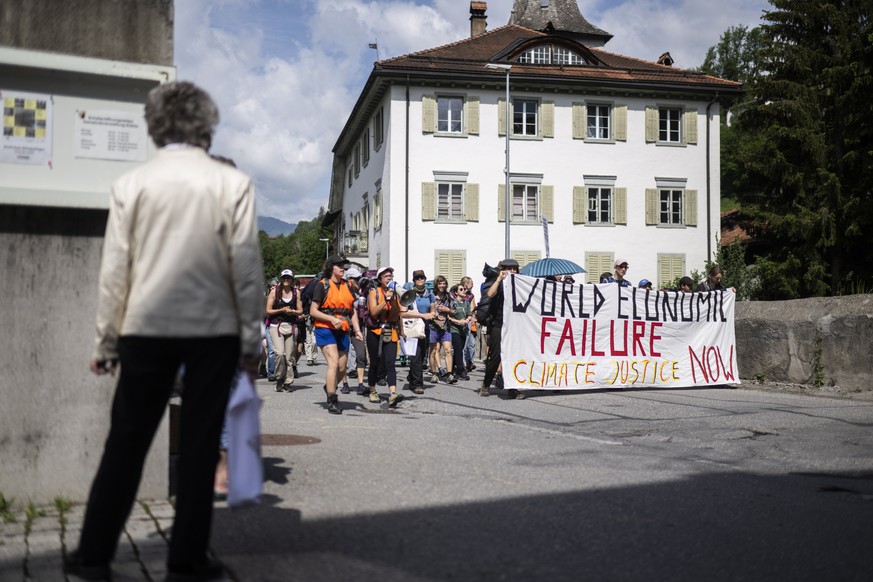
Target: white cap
(287,273)
(353,273)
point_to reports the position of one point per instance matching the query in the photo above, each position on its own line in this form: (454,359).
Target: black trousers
(492,362)
(148,367)
(418,361)
(459,340)
(381,361)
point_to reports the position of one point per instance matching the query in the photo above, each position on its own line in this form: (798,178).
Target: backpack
(484,306)
(306,296)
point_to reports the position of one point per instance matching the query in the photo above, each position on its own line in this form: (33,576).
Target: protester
(382,338)
(332,309)
(470,343)
(420,308)
(495,327)
(283,308)
(713,281)
(685,284)
(359,347)
(618,276)
(178,225)
(458,327)
(309,339)
(440,336)
(645,284)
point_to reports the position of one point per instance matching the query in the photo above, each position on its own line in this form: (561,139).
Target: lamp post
(508,194)
(326,242)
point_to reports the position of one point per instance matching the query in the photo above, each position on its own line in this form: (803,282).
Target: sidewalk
(32,547)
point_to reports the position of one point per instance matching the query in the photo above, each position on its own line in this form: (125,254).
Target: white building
(620,155)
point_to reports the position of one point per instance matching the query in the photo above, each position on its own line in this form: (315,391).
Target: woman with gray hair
(180,228)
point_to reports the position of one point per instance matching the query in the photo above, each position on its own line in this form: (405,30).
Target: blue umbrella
(550,267)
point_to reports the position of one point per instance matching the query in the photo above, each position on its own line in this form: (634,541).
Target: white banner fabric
(559,336)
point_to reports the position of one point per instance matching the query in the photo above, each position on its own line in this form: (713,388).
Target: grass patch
(6,512)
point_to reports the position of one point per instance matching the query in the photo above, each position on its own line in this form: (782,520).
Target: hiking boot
(374,397)
(484,391)
(361,390)
(294,369)
(435,379)
(418,389)
(443,373)
(75,566)
(394,399)
(471,366)
(280,385)
(345,389)
(452,379)
(333,404)
(464,377)
(513,393)
(287,387)
(498,381)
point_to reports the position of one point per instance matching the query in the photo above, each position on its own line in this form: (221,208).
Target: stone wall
(138,31)
(819,341)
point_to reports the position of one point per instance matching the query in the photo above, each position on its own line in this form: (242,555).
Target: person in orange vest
(332,310)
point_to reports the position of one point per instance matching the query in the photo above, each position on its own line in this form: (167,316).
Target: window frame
(679,194)
(441,98)
(610,200)
(449,218)
(378,129)
(537,116)
(545,54)
(666,121)
(592,110)
(525,203)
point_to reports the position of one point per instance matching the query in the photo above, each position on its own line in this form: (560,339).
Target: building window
(378,129)
(365,147)
(525,202)
(450,114)
(351,177)
(550,55)
(598,121)
(450,202)
(357,160)
(670,207)
(600,205)
(524,116)
(669,125)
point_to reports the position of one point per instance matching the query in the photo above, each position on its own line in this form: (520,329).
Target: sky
(286,73)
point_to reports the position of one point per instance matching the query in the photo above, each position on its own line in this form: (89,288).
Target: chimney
(478,19)
(665,60)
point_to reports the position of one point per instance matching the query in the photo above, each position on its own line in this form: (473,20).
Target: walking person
(420,309)
(332,309)
(618,276)
(359,287)
(495,327)
(470,343)
(440,336)
(283,308)
(179,226)
(459,323)
(382,338)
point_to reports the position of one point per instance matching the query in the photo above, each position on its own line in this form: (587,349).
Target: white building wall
(562,161)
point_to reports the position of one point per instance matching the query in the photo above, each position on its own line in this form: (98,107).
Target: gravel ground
(809,389)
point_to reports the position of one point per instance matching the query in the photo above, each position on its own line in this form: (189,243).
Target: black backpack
(483,307)
(306,295)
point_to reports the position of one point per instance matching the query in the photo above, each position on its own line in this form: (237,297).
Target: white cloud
(286,73)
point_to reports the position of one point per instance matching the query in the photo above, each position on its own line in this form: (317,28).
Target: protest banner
(559,336)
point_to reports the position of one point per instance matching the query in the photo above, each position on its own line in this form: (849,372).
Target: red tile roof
(468,56)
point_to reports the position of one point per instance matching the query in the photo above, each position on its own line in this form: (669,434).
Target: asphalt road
(690,484)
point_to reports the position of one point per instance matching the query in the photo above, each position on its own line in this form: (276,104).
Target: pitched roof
(562,15)
(469,56)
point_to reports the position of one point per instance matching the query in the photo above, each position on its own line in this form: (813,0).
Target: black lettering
(547,287)
(566,291)
(599,300)
(690,307)
(652,317)
(522,307)
(582,312)
(671,313)
(621,298)
(701,299)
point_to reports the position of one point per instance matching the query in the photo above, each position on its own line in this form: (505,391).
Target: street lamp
(326,242)
(506,203)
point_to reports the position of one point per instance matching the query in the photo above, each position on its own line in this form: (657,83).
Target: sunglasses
(624,266)
(462,288)
(420,277)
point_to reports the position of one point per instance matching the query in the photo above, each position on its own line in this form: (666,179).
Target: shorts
(440,335)
(326,337)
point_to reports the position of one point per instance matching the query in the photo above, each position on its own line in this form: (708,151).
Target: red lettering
(639,333)
(612,349)
(694,359)
(716,374)
(544,334)
(594,350)
(652,338)
(566,334)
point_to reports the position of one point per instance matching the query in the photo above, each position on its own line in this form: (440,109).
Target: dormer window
(550,55)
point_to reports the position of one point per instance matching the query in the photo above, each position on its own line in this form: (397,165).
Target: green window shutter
(471,106)
(690,126)
(501,203)
(501,117)
(651,124)
(652,210)
(442,263)
(597,263)
(547,202)
(670,268)
(428,114)
(547,116)
(580,119)
(580,205)
(453,266)
(619,120)
(526,257)
(619,196)
(690,204)
(428,201)
(471,203)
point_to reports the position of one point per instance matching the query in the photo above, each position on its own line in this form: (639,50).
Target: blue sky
(286,73)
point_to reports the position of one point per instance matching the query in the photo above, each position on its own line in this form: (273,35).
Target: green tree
(804,147)
(301,251)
